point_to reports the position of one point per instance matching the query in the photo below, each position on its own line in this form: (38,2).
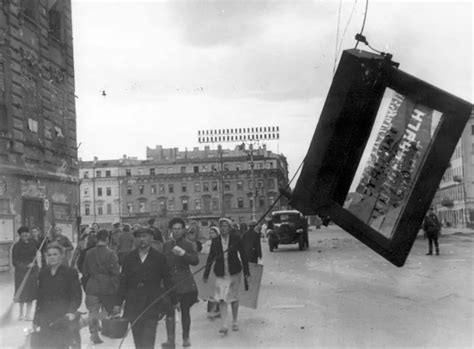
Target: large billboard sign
(381,146)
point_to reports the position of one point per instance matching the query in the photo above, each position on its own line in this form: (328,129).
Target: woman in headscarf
(59,297)
(23,258)
(228,267)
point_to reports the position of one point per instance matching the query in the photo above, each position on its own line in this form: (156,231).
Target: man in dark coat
(101,274)
(145,277)
(432,228)
(157,236)
(252,244)
(180,254)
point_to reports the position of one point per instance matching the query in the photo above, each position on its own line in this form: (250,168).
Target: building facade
(454,200)
(38,151)
(100,192)
(191,184)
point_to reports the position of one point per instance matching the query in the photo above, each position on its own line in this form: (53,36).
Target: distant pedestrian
(144,279)
(432,228)
(157,235)
(224,254)
(180,254)
(23,259)
(101,280)
(59,297)
(192,236)
(251,243)
(114,237)
(126,243)
(64,241)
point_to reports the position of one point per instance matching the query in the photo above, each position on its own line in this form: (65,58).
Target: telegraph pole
(252,174)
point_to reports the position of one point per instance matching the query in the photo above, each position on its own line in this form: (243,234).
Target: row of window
(206,204)
(183,169)
(204,187)
(455,194)
(453,174)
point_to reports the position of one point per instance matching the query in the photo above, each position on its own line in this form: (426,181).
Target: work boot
(170,333)
(95,338)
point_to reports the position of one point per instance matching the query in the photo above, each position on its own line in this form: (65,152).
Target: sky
(171,68)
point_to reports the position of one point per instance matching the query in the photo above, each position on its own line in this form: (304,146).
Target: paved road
(340,294)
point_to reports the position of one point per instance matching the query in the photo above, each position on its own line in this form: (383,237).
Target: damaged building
(38,148)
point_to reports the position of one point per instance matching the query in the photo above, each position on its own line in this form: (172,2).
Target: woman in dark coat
(180,254)
(23,258)
(59,297)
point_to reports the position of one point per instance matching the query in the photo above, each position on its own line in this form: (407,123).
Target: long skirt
(29,292)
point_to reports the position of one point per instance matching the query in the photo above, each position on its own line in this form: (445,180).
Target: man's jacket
(143,283)
(101,270)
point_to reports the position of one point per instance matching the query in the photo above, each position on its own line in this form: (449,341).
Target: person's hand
(116,309)
(70,316)
(205,280)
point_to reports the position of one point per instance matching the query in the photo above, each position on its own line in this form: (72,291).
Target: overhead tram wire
(346,27)
(337,37)
(203,267)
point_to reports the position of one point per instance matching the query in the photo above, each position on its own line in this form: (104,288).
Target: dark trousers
(144,333)
(433,239)
(186,301)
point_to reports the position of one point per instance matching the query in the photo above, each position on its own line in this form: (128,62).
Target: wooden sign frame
(341,137)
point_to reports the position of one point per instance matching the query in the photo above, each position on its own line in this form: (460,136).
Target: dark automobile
(288,227)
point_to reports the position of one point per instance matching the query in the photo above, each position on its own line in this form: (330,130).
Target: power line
(337,36)
(346,27)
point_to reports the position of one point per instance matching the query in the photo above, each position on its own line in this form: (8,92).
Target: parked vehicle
(288,227)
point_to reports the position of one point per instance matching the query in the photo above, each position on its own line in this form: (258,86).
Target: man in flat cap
(145,277)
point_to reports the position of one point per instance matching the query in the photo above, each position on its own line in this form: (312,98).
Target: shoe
(95,338)
(223,330)
(21,318)
(28,318)
(168,345)
(429,253)
(213,314)
(186,343)
(437,253)
(235,327)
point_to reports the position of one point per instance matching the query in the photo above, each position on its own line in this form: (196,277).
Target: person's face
(225,228)
(35,233)
(212,234)
(95,226)
(144,240)
(59,232)
(25,236)
(54,257)
(177,230)
(192,235)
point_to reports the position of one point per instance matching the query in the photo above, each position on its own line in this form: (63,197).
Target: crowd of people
(136,271)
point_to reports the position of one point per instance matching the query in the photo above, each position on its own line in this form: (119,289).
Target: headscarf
(231,224)
(216,229)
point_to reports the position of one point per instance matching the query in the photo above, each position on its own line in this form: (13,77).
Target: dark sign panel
(382,144)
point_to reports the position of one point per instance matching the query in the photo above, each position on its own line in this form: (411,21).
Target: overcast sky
(172,68)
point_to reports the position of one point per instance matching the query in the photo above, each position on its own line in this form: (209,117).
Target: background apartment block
(38,151)
(454,200)
(198,183)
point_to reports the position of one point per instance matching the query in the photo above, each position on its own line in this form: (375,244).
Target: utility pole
(221,167)
(252,174)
